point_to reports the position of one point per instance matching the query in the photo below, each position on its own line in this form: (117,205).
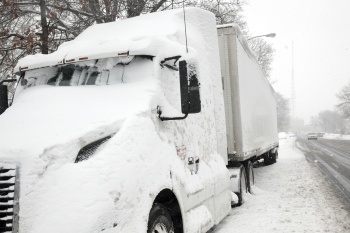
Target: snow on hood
(68,118)
(110,191)
(65,114)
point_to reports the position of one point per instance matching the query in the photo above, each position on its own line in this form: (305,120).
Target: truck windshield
(93,72)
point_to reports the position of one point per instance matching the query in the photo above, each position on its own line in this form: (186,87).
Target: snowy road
(332,157)
(289,196)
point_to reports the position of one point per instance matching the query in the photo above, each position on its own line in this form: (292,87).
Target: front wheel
(159,220)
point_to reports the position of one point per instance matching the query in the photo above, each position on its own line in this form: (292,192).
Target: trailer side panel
(249,99)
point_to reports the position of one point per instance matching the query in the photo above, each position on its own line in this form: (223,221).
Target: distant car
(312,136)
(290,134)
(320,135)
(282,135)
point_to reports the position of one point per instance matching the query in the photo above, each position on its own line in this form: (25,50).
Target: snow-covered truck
(132,128)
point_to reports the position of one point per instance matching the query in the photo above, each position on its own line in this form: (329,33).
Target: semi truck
(148,124)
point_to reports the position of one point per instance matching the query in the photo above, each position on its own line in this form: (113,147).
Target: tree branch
(76,12)
(12,35)
(157,6)
(9,49)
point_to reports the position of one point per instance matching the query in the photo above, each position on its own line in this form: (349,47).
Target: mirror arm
(173,67)
(176,58)
(8,81)
(159,111)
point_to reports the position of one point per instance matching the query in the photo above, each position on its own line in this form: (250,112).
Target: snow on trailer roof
(241,39)
(143,35)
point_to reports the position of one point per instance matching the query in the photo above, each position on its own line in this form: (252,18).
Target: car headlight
(90,149)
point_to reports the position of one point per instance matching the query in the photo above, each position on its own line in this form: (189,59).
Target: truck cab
(120,130)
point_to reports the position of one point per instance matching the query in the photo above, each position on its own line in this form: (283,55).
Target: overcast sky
(320,30)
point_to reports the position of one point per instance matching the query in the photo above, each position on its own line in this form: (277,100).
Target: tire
(249,175)
(159,220)
(267,159)
(242,186)
(275,157)
(270,158)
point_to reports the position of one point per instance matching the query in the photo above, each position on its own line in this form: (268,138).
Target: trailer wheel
(267,159)
(275,157)
(159,220)
(250,176)
(270,158)
(242,186)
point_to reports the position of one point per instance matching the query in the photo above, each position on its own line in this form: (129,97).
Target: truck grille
(9,196)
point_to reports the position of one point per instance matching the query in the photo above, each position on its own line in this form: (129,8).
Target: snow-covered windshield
(93,72)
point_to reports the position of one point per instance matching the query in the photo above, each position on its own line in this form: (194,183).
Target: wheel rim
(161,228)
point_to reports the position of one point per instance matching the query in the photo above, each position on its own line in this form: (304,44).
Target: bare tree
(344,99)
(264,53)
(27,27)
(283,113)
(226,11)
(330,122)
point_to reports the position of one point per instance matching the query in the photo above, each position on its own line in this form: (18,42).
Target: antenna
(183,7)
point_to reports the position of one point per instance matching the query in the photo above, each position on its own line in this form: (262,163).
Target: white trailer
(128,128)
(250,104)
(250,107)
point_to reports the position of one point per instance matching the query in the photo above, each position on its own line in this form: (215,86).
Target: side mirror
(4,100)
(189,88)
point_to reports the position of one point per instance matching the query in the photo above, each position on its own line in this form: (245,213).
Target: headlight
(90,149)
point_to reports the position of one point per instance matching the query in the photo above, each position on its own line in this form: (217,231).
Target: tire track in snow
(325,159)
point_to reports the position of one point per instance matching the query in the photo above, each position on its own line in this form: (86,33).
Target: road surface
(332,157)
(289,196)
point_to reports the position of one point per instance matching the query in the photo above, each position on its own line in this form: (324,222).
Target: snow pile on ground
(336,136)
(289,196)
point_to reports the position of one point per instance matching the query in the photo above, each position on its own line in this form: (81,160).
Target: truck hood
(43,132)
(43,117)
